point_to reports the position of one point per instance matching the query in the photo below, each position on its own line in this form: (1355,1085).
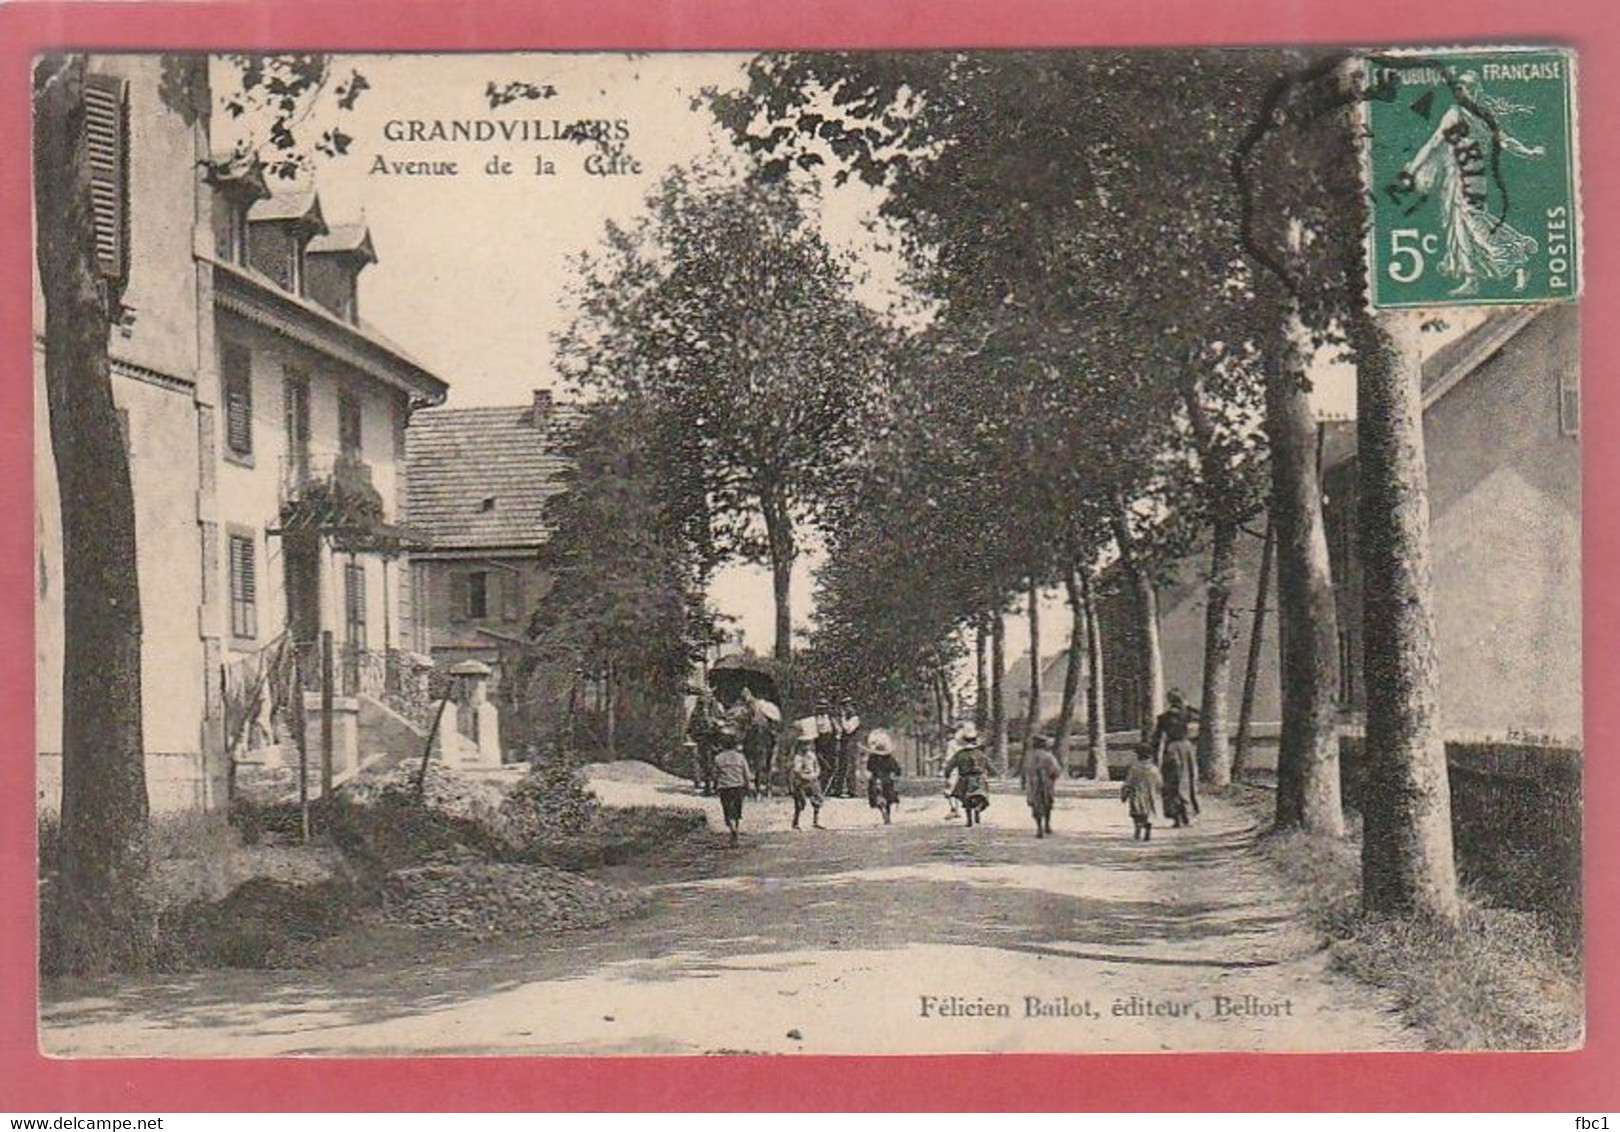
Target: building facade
(264,427)
(478,482)
(1501,426)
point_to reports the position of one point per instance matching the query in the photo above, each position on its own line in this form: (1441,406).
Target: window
(106,127)
(350,436)
(235,370)
(244,587)
(354,604)
(1569,403)
(296,397)
(231,229)
(470,596)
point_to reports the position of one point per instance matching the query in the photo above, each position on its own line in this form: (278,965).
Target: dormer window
(333,265)
(280,227)
(238,182)
(487,505)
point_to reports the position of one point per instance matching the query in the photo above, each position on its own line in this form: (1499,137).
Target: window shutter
(460,596)
(244,587)
(106,126)
(237,378)
(355,576)
(512,596)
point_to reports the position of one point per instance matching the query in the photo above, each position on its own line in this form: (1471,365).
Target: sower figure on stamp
(1178,763)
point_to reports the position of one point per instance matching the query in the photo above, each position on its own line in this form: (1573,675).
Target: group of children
(734,779)
(1172,777)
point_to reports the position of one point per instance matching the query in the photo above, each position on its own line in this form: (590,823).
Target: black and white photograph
(686,553)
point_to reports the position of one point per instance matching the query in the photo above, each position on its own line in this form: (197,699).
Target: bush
(1497,982)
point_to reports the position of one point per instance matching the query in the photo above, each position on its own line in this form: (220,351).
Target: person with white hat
(972,775)
(882,769)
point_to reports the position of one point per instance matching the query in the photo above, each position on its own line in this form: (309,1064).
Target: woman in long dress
(1178,762)
(1454,164)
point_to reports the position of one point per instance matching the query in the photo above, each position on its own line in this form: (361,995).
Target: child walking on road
(1141,793)
(971,771)
(1041,774)
(732,779)
(804,779)
(882,769)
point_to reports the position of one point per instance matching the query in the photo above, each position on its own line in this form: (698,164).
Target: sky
(474,270)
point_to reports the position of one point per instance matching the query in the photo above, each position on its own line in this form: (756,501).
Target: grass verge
(1497,982)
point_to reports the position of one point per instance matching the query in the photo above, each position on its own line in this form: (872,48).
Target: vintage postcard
(808,553)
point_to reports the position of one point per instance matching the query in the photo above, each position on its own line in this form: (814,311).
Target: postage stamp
(1473,161)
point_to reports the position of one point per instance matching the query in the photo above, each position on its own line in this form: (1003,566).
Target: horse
(759,748)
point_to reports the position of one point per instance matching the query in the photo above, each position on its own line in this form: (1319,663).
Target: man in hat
(826,745)
(848,725)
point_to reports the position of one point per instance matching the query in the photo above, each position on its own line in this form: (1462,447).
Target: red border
(1217,1082)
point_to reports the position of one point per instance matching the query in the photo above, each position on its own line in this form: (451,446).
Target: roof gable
(478,478)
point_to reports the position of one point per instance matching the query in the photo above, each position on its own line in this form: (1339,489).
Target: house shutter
(106,126)
(237,378)
(460,596)
(356,612)
(244,587)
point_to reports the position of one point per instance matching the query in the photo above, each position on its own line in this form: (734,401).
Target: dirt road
(918,937)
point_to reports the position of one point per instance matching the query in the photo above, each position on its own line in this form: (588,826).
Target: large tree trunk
(102,918)
(981,674)
(1257,637)
(998,691)
(779,539)
(1214,748)
(1096,706)
(1308,749)
(1406,853)
(1032,717)
(1074,662)
(1146,606)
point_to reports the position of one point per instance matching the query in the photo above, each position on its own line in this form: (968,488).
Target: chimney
(540,410)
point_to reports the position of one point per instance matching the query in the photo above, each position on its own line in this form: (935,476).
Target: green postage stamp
(1473,171)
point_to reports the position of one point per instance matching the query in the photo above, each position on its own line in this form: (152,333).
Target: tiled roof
(339,238)
(299,204)
(457,459)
